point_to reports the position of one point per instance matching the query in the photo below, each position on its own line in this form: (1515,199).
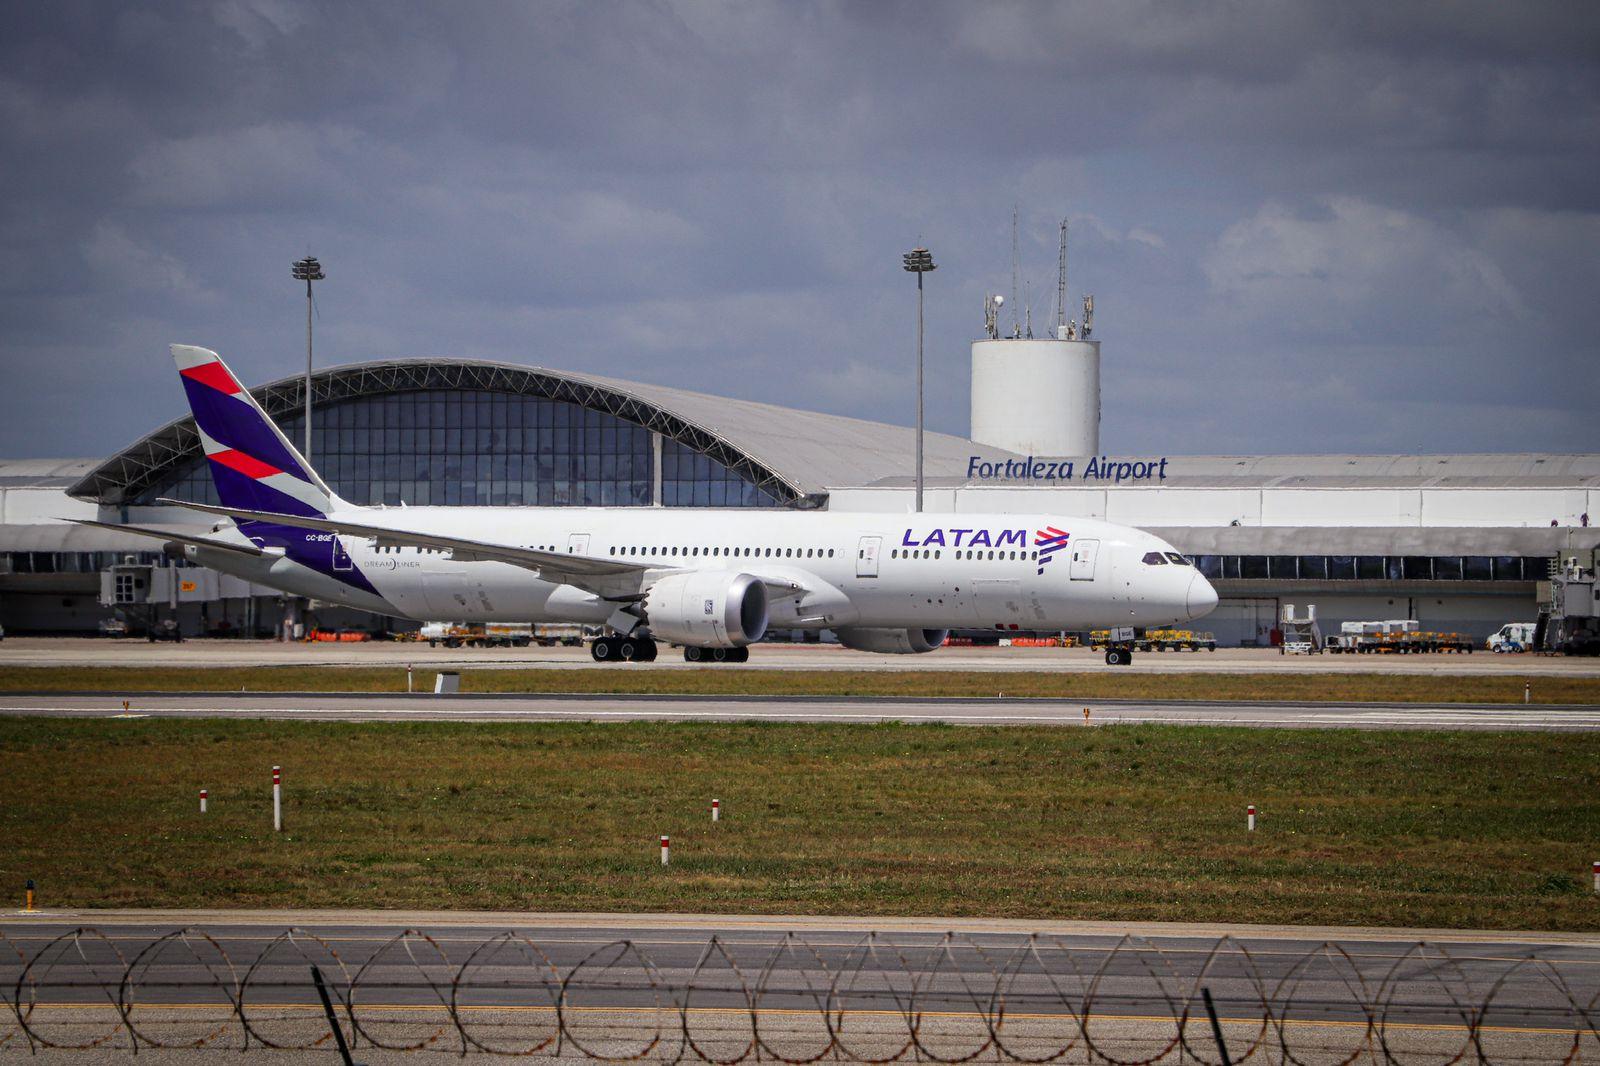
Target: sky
(1308,227)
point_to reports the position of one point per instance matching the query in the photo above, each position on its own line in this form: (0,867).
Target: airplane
(710,580)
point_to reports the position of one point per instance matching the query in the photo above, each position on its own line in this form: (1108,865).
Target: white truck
(1512,637)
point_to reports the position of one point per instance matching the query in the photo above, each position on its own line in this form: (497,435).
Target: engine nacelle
(707,609)
(892,641)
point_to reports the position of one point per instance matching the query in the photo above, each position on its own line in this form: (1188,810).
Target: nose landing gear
(623,649)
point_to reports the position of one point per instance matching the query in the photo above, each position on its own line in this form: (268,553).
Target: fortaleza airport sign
(1098,468)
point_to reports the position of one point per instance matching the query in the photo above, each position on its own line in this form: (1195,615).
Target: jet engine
(707,609)
(892,641)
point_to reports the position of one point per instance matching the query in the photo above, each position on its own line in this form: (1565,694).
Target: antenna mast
(1061,287)
(1016,325)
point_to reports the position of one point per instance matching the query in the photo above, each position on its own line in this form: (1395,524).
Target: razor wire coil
(1036,1000)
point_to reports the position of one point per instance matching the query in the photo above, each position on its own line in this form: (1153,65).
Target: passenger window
(1155,559)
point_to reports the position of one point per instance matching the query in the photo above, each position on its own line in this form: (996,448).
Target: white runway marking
(963,712)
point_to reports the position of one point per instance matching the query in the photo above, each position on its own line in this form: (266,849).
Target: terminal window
(466,448)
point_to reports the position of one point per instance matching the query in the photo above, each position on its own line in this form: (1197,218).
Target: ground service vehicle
(707,579)
(490,635)
(1569,616)
(1512,637)
(1175,640)
(1402,636)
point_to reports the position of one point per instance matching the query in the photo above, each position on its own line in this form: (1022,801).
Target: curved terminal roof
(793,455)
(43,473)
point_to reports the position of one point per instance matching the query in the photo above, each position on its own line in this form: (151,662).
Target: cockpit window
(1178,560)
(1155,559)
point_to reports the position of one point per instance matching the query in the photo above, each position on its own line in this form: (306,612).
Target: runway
(955,711)
(710,987)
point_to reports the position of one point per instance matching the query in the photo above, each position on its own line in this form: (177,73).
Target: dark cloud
(1360,226)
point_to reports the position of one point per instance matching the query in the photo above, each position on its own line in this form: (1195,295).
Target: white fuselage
(956,571)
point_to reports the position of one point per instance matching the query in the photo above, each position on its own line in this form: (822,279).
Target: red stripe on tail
(245,464)
(214,374)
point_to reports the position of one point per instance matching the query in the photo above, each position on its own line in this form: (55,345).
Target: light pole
(308,270)
(918,261)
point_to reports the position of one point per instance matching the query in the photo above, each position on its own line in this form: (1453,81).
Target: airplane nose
(1202,597)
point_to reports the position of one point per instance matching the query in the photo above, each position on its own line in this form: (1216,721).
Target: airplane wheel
(626,650)
(719,655)
(646,651)
(739,655)
(1115,656)
(693,655)
(602,650)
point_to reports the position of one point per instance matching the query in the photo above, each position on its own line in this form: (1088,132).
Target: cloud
(126,264)
(1351,264)
(260,166)
(717,194)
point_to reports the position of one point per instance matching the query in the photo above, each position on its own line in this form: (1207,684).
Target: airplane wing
(600,576)
(169,534)
(610,578)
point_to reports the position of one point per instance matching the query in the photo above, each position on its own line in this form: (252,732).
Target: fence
(798,999)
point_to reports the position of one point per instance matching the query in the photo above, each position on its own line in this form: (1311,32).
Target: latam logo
(965,538)
(1049,541)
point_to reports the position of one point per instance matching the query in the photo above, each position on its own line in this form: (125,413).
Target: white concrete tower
(1037,396)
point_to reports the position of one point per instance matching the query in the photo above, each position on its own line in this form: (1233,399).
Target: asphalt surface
(627,978)
(85,651)
(364,707)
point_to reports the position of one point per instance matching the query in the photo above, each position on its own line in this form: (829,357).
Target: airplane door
(1084,553)
(867,556)
(578,544)
(341,558)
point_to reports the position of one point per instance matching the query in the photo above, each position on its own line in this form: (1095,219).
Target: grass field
(722,681)
(1141,822)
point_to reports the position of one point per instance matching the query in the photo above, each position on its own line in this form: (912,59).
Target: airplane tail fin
(253,464)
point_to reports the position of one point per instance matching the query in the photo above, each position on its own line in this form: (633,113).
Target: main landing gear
(716,655)
(623,649)
(1119,656)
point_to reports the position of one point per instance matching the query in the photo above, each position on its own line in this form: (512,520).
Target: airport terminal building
(1457,542)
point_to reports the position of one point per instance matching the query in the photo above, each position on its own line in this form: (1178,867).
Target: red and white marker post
(1250,817)
(1597,877)
(666,850)
(716,810)
(202,801)
(277,800)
